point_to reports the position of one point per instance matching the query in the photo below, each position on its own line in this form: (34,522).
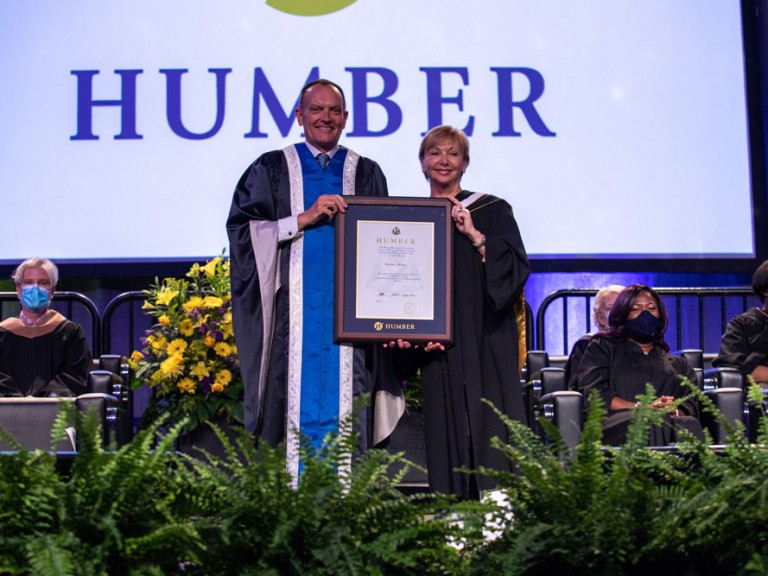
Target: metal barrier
(124,311)
(124,323)
(697,317)
(73,305)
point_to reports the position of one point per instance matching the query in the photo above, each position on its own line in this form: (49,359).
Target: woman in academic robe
(620,362)
(490,270)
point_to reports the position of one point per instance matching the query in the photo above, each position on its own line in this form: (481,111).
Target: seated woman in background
(619,362)
(41,352)
(604,300)
(745,342)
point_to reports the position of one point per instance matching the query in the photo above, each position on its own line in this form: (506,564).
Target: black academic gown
(50,359)
(574,360)
(745,342)
(263,321)
(621,368)
(482,363)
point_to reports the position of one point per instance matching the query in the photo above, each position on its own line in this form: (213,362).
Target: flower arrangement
(189,358)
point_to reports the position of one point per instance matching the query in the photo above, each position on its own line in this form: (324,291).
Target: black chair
(756,412)
(30,420)
(565,408)
(536,362)
(111,375)
(724,386)
(694,356)
(552,400)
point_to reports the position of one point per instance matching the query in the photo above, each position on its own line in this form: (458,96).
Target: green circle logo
(309,7)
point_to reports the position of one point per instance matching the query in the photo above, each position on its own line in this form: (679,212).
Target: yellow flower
(187,385)
(210,267)
(223,377)
(157,343)
(136,356)
(164,320)
(213,302)
(194,272)
(176,346)
(186,327)
(209,340)
(199,370)
(226,329)
(216,388)
(223,349)
(165,296)
(172,366)
(193,302)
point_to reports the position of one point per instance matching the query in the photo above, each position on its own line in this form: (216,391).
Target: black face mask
(645,328)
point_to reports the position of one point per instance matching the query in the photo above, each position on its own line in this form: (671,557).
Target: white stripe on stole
(346,352)
(295,330)
(469,200)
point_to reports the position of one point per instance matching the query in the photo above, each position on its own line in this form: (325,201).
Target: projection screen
(615,129)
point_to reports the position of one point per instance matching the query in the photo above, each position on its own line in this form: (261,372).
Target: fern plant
(147,510)
(630,510)
(332,522)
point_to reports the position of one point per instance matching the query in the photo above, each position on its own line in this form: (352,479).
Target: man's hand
(326,206)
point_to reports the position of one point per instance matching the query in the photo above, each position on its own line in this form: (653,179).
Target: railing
(697,316)
(125,313)
(75,306)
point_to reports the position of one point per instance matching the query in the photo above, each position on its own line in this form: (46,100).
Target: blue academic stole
(320,356)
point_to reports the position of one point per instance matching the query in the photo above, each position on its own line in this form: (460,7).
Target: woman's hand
(463,219)
(405,344)
(663,402)
(464,224)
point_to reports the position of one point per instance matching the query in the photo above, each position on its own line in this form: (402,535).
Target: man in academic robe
(41,352)
(281,233)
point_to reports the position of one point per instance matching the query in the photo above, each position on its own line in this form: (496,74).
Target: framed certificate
(394,260)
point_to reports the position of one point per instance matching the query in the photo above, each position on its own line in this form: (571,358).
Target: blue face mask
(34,298)
(645,328)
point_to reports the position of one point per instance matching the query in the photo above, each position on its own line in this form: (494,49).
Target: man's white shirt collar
(315,151)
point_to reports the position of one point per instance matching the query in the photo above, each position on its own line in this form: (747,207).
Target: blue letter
(85,104)
(435,98)
(507,103)
(173,102)
(261,86)
(360,101)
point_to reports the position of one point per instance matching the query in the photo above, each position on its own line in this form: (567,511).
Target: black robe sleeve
(744,344)
(8,385)
(506,262)
(262,193)
(574,361)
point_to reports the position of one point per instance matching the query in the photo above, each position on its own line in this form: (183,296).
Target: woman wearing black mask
(620,362)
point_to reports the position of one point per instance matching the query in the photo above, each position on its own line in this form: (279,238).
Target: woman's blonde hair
(440,133)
